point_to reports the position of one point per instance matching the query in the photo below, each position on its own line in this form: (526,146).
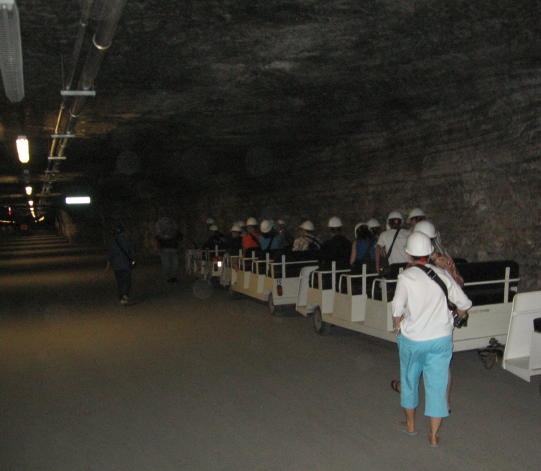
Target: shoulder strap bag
(131,262)
(384,264)
(458,320)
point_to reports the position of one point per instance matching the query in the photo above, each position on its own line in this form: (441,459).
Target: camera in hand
(460,321)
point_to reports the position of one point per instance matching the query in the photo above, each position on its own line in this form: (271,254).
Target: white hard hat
(426,227)
(213,227)
(373,223)
(236,228)
(359,224)
(416,212)
(265,226)
(210,221)
(419,245)
(308,226)
(281,222)
(395,215)
(251,222)
(334,222)
(239,223)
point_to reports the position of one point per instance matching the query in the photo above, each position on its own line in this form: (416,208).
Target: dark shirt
(169,242)
(233,245)
(215,240)
(338,249)
(121,250)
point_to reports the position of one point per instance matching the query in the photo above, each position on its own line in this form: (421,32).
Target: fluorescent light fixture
(77,199)
(11,56)
(30,202)
(28,190)
(23,149)
(41,219)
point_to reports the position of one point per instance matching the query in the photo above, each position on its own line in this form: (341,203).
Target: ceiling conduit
(111,12)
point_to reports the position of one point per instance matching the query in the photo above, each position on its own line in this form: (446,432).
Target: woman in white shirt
(424,325)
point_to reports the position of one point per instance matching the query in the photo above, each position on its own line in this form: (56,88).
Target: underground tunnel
(183,115)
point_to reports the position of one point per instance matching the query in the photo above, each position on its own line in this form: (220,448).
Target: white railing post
(363,281)
(506,284)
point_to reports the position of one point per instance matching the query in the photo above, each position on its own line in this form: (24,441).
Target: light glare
(23,149)
(28,190)
(77,199)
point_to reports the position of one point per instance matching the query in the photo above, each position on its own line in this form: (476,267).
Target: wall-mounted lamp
(77,199)
(23,149)
(28,190)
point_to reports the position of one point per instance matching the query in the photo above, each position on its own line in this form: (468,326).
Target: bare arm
(353,255)
(379,253)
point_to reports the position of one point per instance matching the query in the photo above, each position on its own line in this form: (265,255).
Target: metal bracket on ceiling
(63,136)
(57,157)
(78,92)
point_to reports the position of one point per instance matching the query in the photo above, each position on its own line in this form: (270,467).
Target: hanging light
(28,190)
(11,56)
(23,149)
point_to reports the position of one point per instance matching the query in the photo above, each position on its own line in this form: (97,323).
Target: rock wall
(482,192)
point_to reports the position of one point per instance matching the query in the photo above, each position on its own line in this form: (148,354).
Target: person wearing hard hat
(424,324)
(281,227)
(391,243)
(242,226)
(363,248)
(374,227)
(270,240)
(250,240)
(439,257)
(216,239)
(416,215)
(234,241)
(337,248)
(307,240)
(310,245)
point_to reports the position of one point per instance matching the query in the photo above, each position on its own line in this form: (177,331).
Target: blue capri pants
(430,358)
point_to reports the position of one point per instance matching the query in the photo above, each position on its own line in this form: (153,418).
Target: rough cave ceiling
(234,75)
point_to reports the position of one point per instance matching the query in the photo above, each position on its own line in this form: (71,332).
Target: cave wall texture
(397,104)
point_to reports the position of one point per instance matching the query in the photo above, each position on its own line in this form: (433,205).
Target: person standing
(167,239)
(416,215)
(423,324)
(121,258)
(391,243)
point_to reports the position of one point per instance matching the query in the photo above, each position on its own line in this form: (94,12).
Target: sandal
(395,385)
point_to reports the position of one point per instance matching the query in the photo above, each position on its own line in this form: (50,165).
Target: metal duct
(111,11)
(11,56)
(83,22)
(102,40)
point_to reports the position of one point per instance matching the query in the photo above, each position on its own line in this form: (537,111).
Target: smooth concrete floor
(174,382)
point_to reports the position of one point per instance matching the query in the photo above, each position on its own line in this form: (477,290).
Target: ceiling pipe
(102,40)
(81,32)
